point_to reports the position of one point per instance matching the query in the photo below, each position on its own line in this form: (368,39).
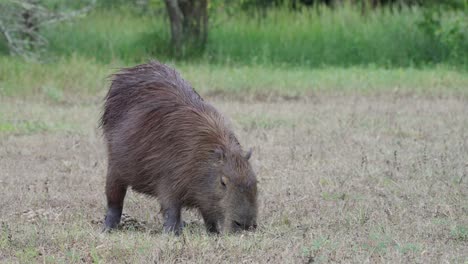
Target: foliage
(137,38)
(325,36)
(446,23)
(313,37)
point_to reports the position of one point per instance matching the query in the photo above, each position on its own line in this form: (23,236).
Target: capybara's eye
(223,183)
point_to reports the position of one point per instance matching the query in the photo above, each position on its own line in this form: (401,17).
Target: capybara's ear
(248,154)
(219,154)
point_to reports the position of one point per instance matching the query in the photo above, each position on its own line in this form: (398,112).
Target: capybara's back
(165,141)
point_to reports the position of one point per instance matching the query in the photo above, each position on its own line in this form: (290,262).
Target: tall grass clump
(321,36)
(114,34)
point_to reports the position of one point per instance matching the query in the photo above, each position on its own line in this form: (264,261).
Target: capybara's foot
(112,219)
(172,221)
(170,229)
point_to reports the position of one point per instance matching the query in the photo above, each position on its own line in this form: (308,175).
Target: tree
(189,24)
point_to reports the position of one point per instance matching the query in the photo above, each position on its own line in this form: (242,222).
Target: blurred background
(88,37)
(310,33)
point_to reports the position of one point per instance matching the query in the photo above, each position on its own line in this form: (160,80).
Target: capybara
(165,141)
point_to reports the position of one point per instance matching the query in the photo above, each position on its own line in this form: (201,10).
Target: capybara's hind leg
(115,193)
(172,219)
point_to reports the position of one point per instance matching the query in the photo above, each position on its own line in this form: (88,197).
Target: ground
(342,178)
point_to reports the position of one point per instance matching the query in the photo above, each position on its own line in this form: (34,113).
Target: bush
(446,24)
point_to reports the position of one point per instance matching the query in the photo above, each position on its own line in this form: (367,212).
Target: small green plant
(5,236)
(409,247)
(96,258)
(319,243)
(460,233)
(27,254)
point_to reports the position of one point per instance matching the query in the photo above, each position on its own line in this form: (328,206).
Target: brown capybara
(164,140)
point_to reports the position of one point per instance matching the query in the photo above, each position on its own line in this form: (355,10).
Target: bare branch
(21,21)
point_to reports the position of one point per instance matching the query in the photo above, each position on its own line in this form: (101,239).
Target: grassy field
(358,122)
(365,165)
(75,79)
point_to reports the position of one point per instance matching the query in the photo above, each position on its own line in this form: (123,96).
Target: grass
(321,36)
(358,164)
(77,78)
(311,37)
(343,178)
(74,76)
(105,36)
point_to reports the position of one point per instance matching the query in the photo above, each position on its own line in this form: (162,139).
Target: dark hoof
(112,219)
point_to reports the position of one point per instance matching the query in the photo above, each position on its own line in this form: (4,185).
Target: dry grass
(345,178)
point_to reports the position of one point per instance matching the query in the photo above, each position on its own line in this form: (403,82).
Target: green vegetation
(280,51)
(78,78)
(460,232)
(322,36)
(106,36)
(317,36)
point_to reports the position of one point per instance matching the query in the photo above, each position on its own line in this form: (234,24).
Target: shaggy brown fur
(165,141)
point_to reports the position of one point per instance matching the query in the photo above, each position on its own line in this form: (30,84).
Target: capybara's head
(237,186)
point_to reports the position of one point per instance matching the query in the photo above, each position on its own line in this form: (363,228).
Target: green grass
(78,78)
(25,127)
(110,35)
(74,76)
(460,233)
(313,37)
(321,36)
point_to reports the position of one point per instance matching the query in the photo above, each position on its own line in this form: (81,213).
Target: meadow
(358,124)
(342,178)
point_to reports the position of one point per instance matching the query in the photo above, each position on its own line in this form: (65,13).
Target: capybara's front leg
(172,220)
(115,193)
(211,221)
